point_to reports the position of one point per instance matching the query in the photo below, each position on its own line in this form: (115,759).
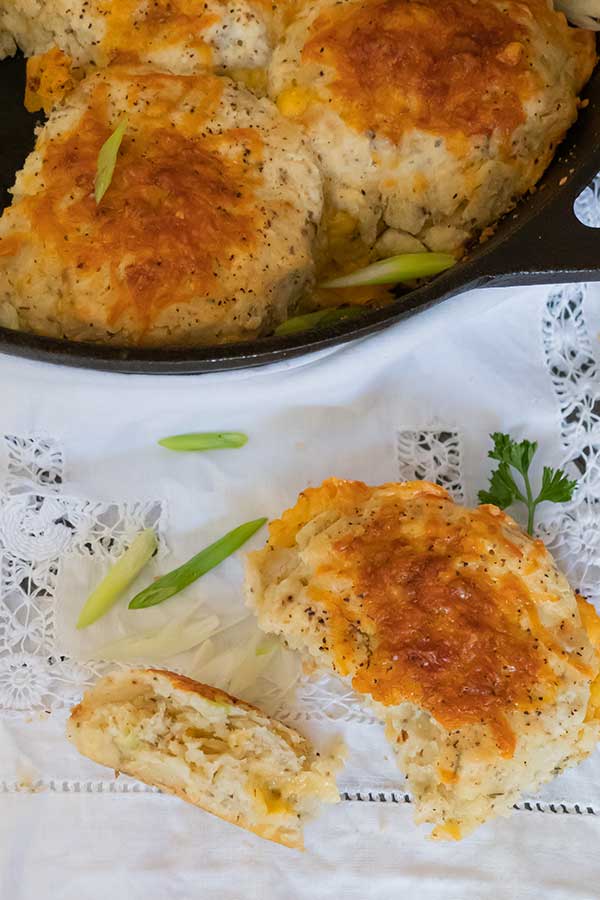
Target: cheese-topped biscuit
(453,623)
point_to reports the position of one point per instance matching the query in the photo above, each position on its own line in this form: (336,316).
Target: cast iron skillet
(541,241)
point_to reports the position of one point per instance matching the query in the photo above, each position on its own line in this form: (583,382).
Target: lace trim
(524,806)
(40,528)
(119,786)
(432,455)
(64,786)
(587,205)
(573,535)
(327,698)
(32,463)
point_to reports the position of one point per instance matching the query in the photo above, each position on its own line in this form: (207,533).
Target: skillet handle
(552,246)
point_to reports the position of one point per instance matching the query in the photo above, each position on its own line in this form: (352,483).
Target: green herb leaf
(395,269)
(556,487)
(198,565)
(124,571)
(504,491)
(107,159)
(320,319)
(223,440)
(513,454)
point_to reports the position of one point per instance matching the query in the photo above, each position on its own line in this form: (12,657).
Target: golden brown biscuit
(181,36)
(429,119)
(205,234)
(456,625)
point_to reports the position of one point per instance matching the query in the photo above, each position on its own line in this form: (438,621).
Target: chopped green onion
(198,565)
(124,571)
(107,159)
(319,319)
(406,267)
(222,440)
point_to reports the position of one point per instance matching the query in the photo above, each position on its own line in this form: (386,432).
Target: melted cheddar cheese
(591,622)
(397,65)
(49,80)
(441,600)
(179,198)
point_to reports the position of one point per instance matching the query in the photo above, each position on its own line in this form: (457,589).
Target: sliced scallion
(395,269)
(120,576)
(222,440)
(194,568)
(320,319)
(107,160)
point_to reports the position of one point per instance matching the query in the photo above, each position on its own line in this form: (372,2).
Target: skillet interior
(541,241)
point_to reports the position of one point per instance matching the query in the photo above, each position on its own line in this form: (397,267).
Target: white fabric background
(154,848)
(476,364)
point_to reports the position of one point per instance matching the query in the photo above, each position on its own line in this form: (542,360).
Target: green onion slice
(319,319)
(107,159)
(198,565)
(124,571)
(406,267)
(222,440)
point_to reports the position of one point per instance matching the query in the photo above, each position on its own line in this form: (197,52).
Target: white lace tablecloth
(80,472)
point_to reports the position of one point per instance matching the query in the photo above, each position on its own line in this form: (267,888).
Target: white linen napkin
(82,473)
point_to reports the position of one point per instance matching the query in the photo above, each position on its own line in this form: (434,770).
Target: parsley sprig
(504,490)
